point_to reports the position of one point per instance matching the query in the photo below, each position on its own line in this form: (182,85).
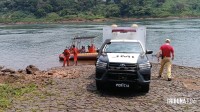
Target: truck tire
(145,88)
(99,85)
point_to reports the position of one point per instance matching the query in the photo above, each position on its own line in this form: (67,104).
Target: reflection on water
(40,44)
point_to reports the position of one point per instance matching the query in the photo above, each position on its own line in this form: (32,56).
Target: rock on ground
(31,69)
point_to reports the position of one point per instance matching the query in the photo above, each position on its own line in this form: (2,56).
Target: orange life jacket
(67,52)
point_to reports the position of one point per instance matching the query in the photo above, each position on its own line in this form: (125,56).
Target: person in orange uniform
(89,49)
(75,52)
(92,47)
(66,57)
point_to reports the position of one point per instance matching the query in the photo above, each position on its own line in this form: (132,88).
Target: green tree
(112,10)
(66,12)
(40,13)
(88,9)
(48,8)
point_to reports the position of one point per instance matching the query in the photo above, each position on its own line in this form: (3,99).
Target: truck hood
(123,57)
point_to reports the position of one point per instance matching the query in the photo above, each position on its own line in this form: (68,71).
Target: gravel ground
(72,89)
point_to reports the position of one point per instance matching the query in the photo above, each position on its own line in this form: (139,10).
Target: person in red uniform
(167,54)
(66,57)
(75,52)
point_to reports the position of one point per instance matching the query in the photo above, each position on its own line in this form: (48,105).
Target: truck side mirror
(149,52)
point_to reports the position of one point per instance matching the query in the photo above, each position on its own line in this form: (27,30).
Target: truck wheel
(99,85)
(145,88)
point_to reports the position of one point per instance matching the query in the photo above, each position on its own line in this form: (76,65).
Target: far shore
(81,20)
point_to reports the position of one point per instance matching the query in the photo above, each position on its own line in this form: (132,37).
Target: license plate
(122,85)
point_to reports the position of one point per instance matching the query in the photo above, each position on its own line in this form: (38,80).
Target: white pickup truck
(122,60)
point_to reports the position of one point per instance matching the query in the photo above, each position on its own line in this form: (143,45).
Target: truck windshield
(123,47)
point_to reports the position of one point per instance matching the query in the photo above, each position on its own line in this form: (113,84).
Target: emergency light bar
(123,30)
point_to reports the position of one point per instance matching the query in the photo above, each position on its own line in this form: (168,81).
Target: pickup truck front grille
(122,77)
(122,66)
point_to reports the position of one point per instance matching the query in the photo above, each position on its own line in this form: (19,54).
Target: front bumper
(141,77)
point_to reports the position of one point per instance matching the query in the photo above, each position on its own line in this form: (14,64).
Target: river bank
(82,20)
(75,71)
(73,89)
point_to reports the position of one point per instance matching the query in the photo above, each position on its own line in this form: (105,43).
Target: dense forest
(58,10)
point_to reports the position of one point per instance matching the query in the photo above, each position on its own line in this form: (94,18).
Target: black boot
(159,76)
(169,79)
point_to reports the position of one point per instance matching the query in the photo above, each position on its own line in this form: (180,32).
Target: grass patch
(7,92)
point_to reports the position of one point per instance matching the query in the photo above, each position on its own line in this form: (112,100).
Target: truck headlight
(146,65)
(101,64)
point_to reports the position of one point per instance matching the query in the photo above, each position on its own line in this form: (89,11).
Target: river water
(40,44)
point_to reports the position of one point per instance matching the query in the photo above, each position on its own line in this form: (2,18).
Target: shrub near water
(7,92)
